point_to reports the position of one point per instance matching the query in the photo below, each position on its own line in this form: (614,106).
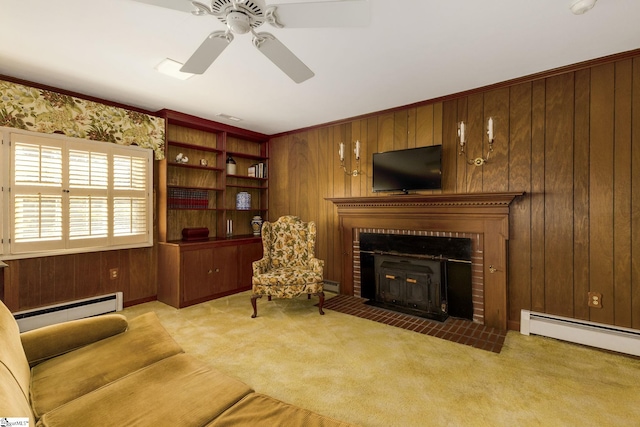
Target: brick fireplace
(477,284)
(483,217)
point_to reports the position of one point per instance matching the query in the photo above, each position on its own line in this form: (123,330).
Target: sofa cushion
(177,391)
(71,375)
(11,352)
(13,404)
(259,410)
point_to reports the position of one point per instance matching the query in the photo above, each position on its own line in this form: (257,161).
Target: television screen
(407,170)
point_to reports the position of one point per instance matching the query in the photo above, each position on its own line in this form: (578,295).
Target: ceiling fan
(245,16)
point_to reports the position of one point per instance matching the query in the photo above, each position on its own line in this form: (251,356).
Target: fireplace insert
(421,275)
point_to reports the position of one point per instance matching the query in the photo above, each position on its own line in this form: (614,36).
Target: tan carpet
(373,374)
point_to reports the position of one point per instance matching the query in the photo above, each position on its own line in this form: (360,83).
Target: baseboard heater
(608,337)
(331,286)
(58,313)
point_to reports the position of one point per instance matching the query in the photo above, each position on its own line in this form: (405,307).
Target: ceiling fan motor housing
(238,22)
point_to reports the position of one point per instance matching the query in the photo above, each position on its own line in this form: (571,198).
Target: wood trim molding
(483,213)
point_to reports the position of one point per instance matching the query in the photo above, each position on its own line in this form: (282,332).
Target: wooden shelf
(195,166)
(195,147)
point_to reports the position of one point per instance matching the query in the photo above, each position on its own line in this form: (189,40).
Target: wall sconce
(478,161)
(356,151)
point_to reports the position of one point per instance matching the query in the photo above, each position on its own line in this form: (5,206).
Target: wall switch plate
(595,300)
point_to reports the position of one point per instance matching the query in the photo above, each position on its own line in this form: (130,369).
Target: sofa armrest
(260,266)
(51,341)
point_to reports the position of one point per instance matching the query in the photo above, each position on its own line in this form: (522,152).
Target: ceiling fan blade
(208,51)
(346,13)
(181,5)
(278,53)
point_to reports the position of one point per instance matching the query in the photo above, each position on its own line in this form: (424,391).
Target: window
(70,195)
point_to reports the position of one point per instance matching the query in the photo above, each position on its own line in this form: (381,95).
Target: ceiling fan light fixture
(238,22)
(578,7)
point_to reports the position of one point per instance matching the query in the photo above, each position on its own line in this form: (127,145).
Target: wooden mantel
(482,213)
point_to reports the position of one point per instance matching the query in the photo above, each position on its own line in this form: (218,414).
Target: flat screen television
(408,170)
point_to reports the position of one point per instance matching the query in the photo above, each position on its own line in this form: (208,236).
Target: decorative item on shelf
(256,225)
(231,165)
(204,162)
(190,234)
(181,158)
(478,161)
(229,227)
(356,151)
(243,201)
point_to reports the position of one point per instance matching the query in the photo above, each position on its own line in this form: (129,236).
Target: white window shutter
(70,195)
(37,203)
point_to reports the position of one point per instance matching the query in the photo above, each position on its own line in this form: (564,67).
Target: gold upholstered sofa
(110,371)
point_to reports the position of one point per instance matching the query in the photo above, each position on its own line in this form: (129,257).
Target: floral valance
(39,110)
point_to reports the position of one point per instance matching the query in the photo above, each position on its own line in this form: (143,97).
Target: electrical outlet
(595,300)
(113,273)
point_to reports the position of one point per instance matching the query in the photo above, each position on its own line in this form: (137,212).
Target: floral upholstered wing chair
(288,267)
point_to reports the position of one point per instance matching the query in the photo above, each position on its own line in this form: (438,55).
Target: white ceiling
(414,50)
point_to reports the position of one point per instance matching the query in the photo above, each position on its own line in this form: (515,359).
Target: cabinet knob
(210,271)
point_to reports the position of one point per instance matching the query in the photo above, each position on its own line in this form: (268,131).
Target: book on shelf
(257,170)
(187,198)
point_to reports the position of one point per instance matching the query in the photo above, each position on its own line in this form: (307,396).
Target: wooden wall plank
(581,195)
(26,276)
(452,170)
(386,134)
(601,190)
(437,124)
(495,172)
(424,134)
(364,181)
(461,163)
(372,147)
(635,196)
(520,211)
(537,196)
(558,218)
(622,195)
(476,141)
(88,283)
(400,130)
(412,117)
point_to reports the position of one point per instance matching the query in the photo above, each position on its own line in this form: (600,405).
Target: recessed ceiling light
(228,117)
(172,68)
(578,7)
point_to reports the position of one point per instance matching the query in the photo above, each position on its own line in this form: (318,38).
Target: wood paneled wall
(36,282)
(571,141)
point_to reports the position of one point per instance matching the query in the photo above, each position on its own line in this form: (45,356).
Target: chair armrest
(260,266)
(51,341)
(316,265)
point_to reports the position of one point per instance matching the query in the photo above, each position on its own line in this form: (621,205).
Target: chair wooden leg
(321,303)
(254,305)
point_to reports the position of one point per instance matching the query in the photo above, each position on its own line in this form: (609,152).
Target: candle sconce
(356,151)
(478,161)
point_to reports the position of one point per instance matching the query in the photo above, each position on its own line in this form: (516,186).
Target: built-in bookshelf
(195,190)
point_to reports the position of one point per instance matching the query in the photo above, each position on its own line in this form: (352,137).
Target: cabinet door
(197,274)
(247,254)
(224,276)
